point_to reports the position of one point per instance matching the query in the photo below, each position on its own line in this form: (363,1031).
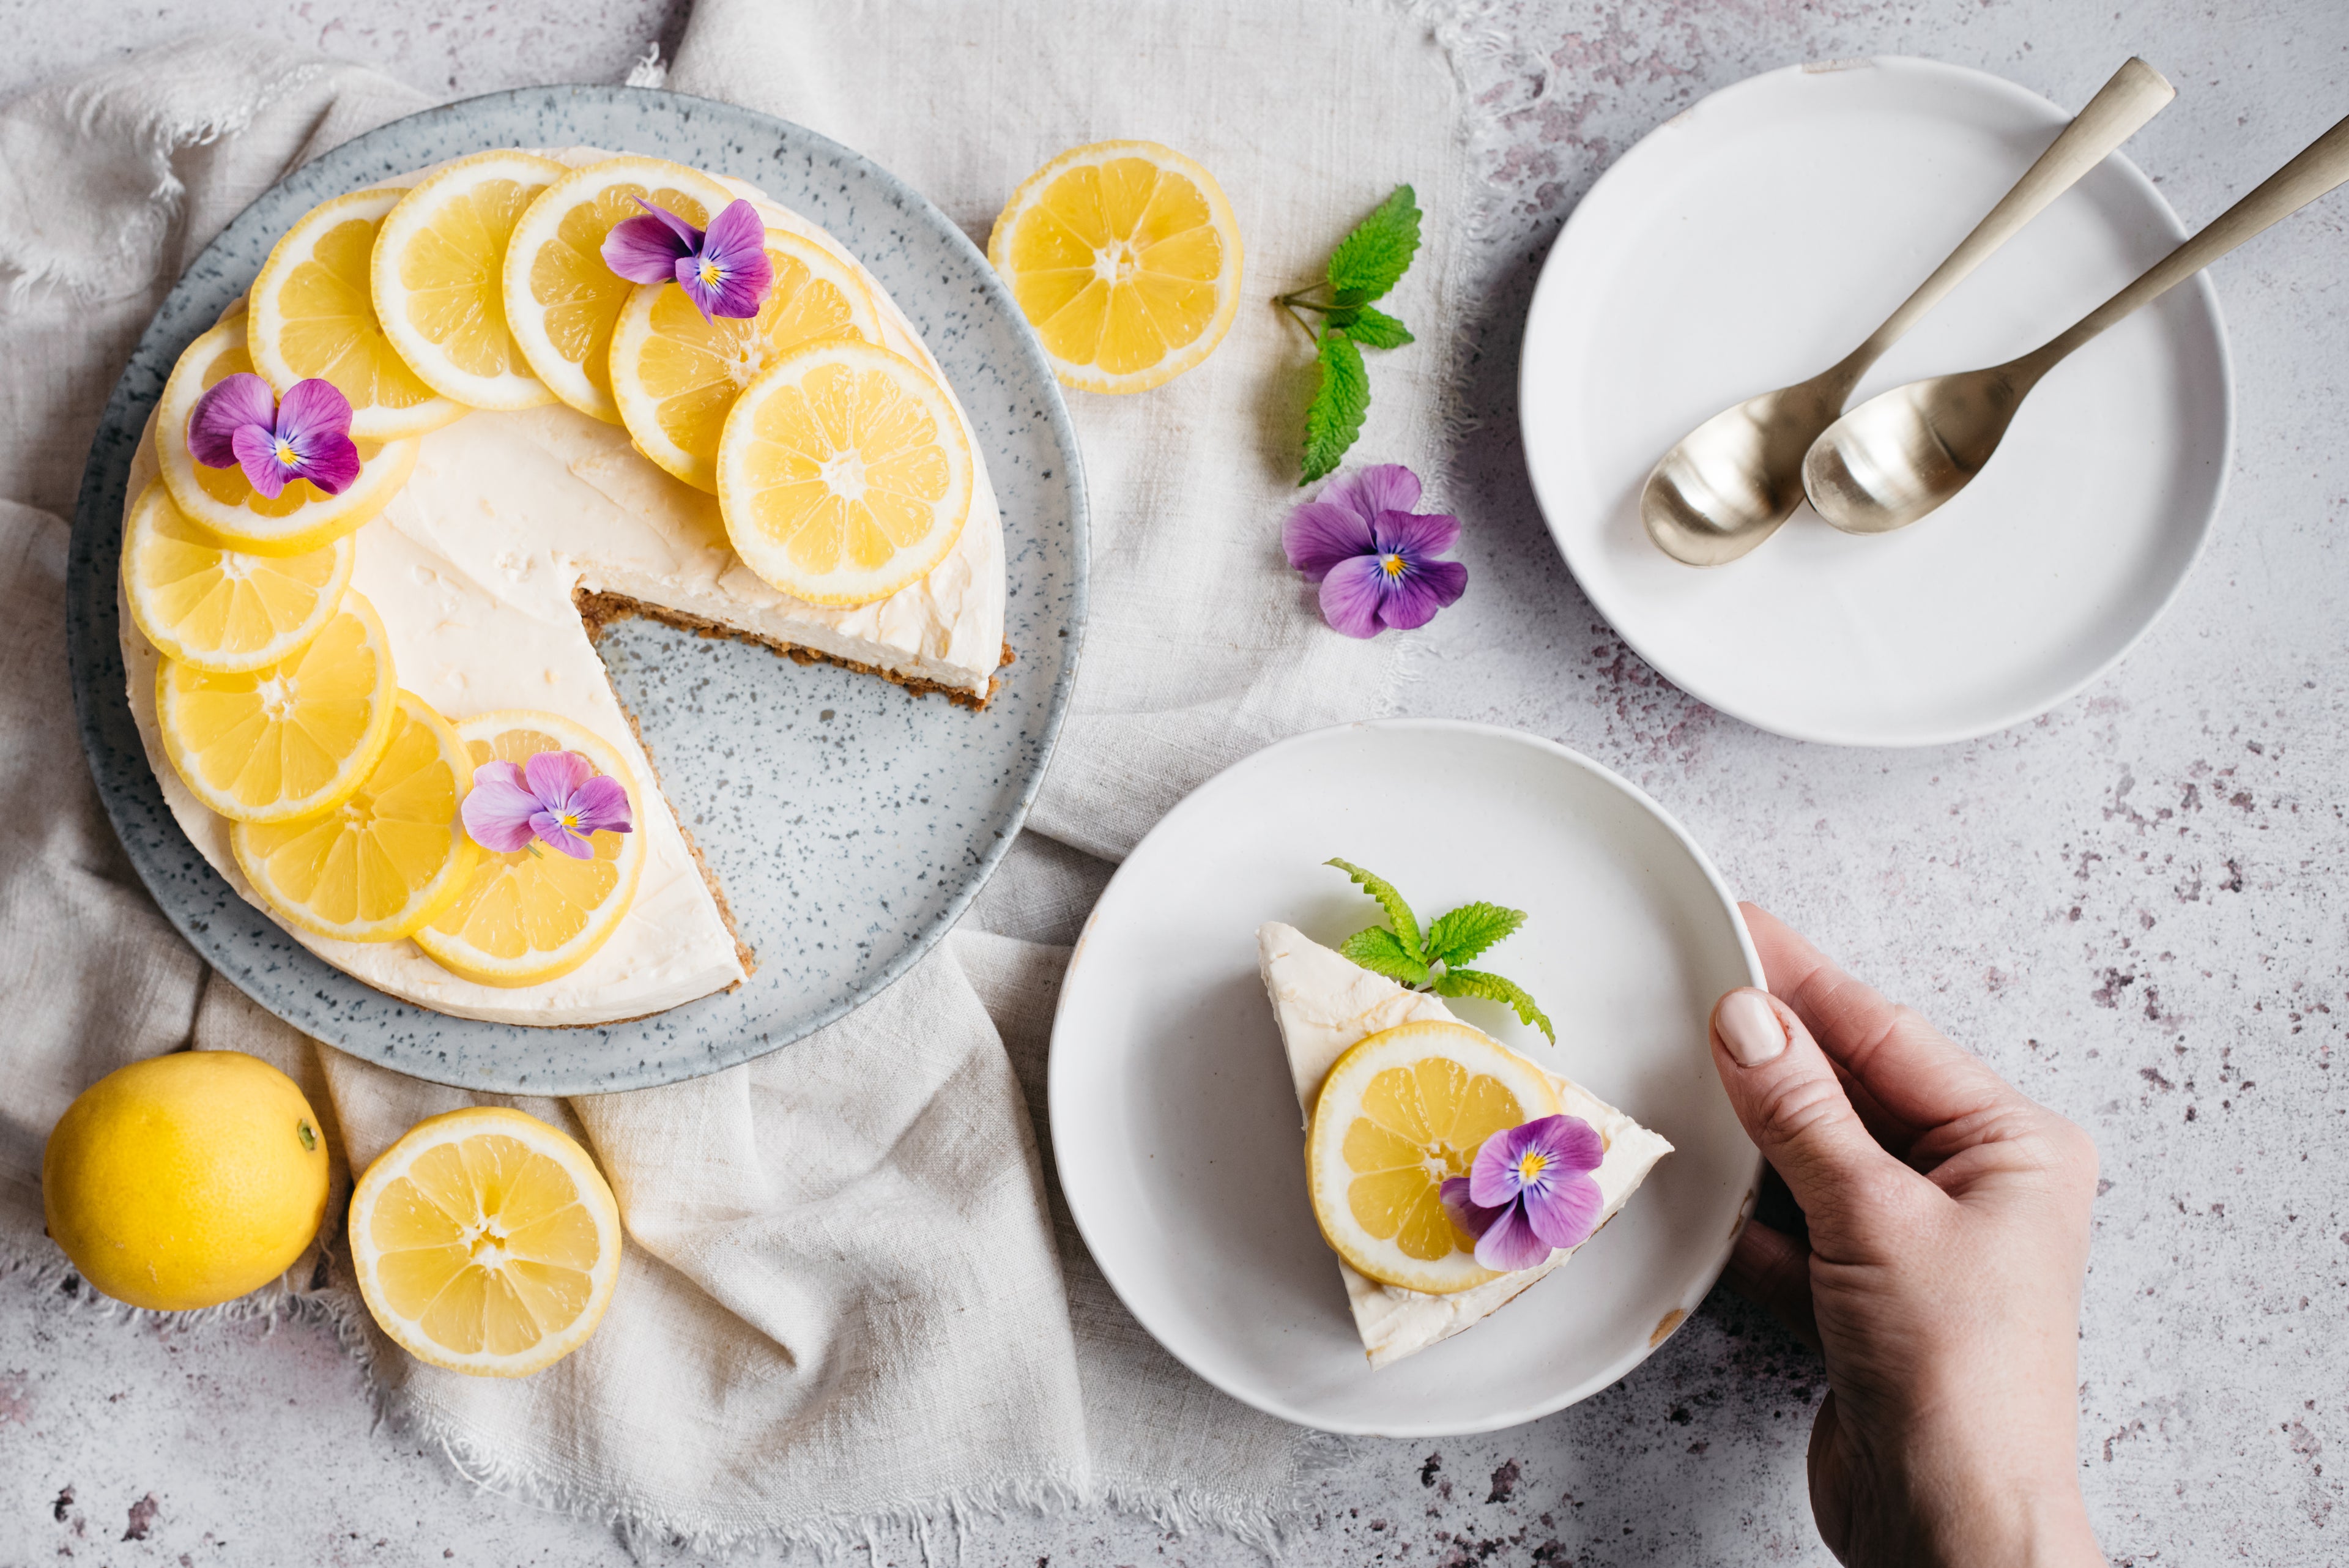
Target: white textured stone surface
(2129,907)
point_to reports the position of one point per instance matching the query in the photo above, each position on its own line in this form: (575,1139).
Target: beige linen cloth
(852,1301)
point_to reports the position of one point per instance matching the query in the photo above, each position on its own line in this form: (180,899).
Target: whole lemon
(187,1179)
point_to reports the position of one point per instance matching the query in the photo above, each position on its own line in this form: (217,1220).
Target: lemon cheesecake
(1327,1006)
(516,519)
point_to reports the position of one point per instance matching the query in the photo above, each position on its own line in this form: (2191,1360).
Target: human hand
(1948,1238)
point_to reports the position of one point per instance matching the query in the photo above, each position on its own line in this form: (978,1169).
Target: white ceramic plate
(1753,240)
(1174,1123)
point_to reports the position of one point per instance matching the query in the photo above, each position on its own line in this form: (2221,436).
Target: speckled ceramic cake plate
(850,823)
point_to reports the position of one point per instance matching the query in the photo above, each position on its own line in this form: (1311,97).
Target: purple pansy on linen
(239,422)
(1529,1191)
(557,798)
(724,269)
(1372,555)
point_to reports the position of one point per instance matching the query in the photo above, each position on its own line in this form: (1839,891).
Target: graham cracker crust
(599,610)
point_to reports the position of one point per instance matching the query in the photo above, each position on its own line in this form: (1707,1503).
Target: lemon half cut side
(218,609)
(1398,1114)
(486,1241)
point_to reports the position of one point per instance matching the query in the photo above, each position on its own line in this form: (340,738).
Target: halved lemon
(534,914)
(1125,258)
(486,1241)
(437,277)
(561,300)
(312,313)
(676,376)
(302,518)
(387,858)
(1399,1113)
(843,473)
(219,609)
(290,738)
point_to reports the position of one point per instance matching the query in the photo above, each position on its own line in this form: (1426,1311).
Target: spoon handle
(2321,166)
(2135,94)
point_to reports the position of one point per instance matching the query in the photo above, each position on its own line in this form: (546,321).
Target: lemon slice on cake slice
(312,313)
(219,609)
(388,858)
(438,275)
(676,374)
(535,914)
(298,519)
(290,738)
(843,473)
(562,299)
(1125,258)
(1402,1111)
(486,1241)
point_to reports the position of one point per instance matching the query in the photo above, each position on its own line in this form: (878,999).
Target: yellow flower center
(1531,1163)
(1391,565)
(710,275)
(285,452)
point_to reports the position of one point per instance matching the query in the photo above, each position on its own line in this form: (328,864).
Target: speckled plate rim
(303,989)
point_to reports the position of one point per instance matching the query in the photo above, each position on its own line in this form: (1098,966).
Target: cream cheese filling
(1326,1004)
(474,568)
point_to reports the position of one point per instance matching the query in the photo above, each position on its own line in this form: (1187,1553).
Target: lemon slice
(676,376)
(1125,258)
(534,914)
(437,277)
(843,473)
(290,738)
(1400,1111)
(312,313)
(486,1241)
(561,300)
(387,858)
(218,609)
(302,518)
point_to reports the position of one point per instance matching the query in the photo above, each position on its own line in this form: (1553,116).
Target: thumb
(1795,1109)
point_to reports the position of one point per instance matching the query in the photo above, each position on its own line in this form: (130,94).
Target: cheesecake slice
(1325,1004)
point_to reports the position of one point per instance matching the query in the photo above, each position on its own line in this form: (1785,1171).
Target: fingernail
(1749,1028)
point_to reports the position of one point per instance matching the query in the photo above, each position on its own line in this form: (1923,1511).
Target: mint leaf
(1405,924)
(1380,950)
(1373,328)
(1469,930)
(1373,258)
(1493,988)
(1334,418)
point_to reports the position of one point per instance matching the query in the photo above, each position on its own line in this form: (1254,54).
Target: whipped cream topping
(474,568)
(1326,1004)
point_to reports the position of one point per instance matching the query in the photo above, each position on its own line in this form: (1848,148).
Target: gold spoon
(1902,453)
(1731,480)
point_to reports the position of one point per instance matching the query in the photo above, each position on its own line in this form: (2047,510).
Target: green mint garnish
(1365,265)
(1403,955)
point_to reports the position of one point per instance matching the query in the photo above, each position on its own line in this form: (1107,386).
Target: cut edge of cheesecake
(1325,1004)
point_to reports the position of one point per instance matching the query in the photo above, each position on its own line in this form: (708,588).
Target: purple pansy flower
(724,269)
(239,421)
(1530,1191)
(1372,555)
(557,798)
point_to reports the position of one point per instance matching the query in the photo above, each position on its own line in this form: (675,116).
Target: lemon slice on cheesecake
(535,914)
(220,609)
(313,314)
(1399,1113)
(437,274)
(676,375)
(301,517)
(562,299)
(843,475)
(486,1241)
(290,738)
(387,858)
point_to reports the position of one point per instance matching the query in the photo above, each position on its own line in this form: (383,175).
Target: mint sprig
(1368,262)
(1400,952)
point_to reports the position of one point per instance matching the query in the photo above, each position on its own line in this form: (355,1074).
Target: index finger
(1912,1071)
